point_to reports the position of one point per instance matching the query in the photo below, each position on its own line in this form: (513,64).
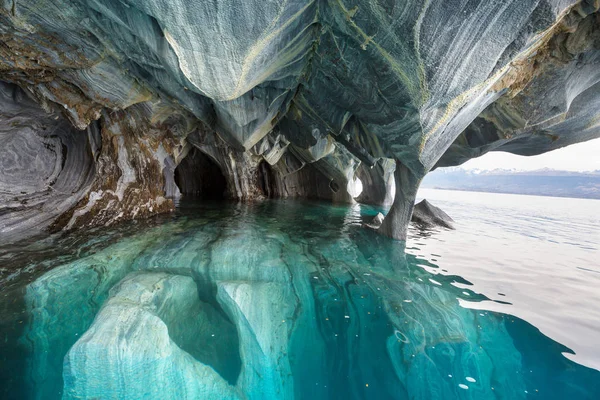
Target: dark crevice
(198,175)
(64,156)
(334,186)
(266,180)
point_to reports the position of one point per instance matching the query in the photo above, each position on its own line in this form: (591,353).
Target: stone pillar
(396,221)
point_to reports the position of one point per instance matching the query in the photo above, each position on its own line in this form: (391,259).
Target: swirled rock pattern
(287,98)
(47,165)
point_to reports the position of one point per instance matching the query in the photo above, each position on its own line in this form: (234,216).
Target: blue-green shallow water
(280,299)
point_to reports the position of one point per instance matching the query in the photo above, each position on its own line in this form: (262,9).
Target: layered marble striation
(309,98)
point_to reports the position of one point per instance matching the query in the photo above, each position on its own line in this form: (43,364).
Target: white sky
(578,157)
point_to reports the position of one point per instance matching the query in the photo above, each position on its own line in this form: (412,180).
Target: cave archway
(198,175)
(266,179)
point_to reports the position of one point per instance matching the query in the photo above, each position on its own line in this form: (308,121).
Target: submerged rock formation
(150,338)
(270,305)
(103,100)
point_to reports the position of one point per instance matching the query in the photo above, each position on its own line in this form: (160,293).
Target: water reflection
(277,300)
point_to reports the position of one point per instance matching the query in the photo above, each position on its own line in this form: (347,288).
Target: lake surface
(297,300)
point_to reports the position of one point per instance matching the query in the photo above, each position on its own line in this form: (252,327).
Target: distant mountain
(544,182)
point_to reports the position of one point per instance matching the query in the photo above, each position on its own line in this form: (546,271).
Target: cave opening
(266,179)
(199,176)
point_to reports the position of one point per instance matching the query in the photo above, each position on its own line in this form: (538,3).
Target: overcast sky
(578,157)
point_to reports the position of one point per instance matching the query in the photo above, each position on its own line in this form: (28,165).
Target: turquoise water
(295,300)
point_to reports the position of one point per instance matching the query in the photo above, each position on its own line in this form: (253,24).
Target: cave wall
(325,92)
(46,165)
(130,165)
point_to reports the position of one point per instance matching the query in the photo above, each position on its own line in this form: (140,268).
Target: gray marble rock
(150,338)
(288,98)
(427,215)
(376,221)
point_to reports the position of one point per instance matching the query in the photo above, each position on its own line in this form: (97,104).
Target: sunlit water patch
(274,300)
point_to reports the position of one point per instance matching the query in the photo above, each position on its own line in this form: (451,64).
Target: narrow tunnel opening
(266,179)
(198,175)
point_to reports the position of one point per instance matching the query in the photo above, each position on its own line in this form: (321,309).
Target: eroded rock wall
(46,164)
(565,72)
(297,98)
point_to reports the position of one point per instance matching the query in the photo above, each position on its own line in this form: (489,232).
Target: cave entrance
(198,175)
(266,179)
